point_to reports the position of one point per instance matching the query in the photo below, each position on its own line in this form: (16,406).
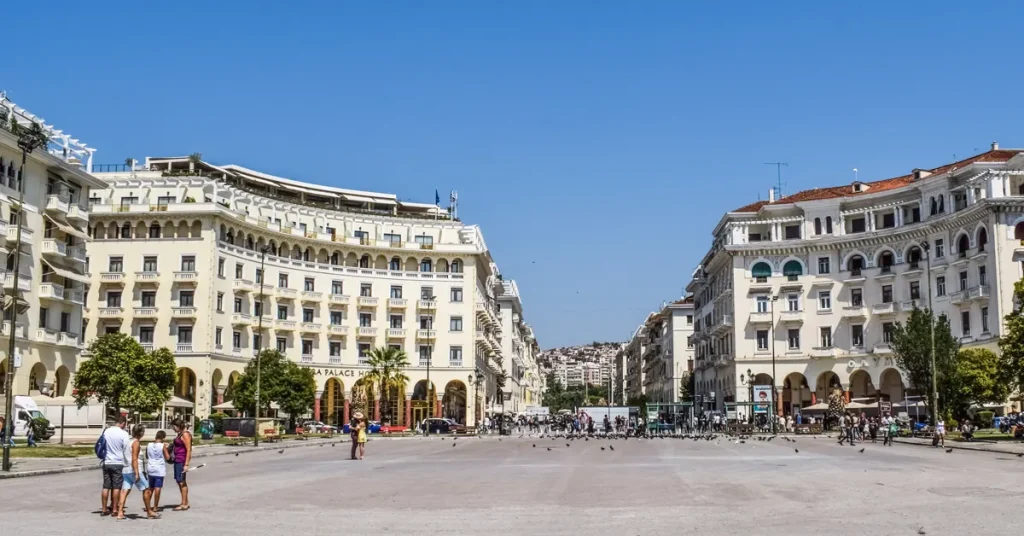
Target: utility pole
(778,173)
(259,329)
(931,326)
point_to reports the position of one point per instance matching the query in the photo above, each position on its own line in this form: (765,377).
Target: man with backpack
(110,448)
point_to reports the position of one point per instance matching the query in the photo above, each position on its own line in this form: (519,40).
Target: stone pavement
(472,486)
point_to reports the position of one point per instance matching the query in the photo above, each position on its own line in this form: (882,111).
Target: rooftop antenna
(778,171)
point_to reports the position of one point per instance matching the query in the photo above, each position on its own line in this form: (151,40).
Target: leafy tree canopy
(1011,344)
(911,344)
(283,382)
(121,374)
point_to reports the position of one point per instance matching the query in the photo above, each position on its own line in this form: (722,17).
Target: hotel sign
(339,372)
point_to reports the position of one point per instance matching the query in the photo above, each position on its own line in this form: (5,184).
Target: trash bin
(206,429)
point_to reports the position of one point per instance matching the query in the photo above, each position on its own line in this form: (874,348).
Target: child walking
(156,467)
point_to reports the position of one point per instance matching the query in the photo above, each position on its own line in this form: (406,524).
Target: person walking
(847,428)
(133,474)
(361,437)
(115,441)
(4,440)
(940,433)
(156,467)
(353,432)
(181,455)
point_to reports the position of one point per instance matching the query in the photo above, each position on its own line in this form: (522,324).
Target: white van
(25,409)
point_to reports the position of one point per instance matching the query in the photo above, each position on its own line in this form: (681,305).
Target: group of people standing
(126,465)
(853,428)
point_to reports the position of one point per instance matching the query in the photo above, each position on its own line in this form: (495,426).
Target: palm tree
(386,365)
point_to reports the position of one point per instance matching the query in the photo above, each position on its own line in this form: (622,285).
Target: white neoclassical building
(667,350)
(51,271)
(523,386)
(818,279)
(183,250)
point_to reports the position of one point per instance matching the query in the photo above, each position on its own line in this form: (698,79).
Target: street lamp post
(772,409)
(259,338)
(29,139)
(931,326)
(430,357)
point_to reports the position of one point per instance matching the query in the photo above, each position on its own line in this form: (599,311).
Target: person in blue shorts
(156,467)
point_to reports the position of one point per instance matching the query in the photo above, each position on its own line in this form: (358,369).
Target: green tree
(911,344)
(386,366)
(282,382)
(975,381)
(686,387)
(121,374)
(1011,344)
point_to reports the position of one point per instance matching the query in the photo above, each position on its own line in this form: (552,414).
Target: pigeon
(611,447)
(920,530)
(280,451)
(771,438)
(1020,455)
(948,451)
(453,444)
(862,451)
(332,445)
(236,454)
(797,451)
(602,448)
(744,442)
(567,444)
(549,449)
(534,445)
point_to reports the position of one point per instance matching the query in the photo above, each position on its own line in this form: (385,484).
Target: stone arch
(250,242)
(412,265)
(61,380)
(885,258)
(351,259)
(891,386)
(140,229)
(322,256)
(333,402)
(154,230)
(852,257)
(229,392)
(222,233)
(454,405)
(827,381)
(817,226)
(981,236)
(456,267)
(336,258)
(441,265)
(197,229)
(757,268)
(796,393)
(284,250)
(36,377)
(395,264)
(381,262)
(426,264)
(185,384)
(364,261)
(861,385)
(913,255)
(793,266)
(182,230)
(963,243)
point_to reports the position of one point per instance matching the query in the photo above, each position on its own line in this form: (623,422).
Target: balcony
(187,278)
(76,297)
(882,348)
(960,259)
(426,304)
(885,273)
(426,334)
(759,317)
(184,348)
(112,277)
(855,311)
(760,284)
(307,358)
(243,285)
(980,255)
(71,340)
(145,312)
(56,204)
(22,331)
(46,336)
(334,360)
(366,331)
(792,317)
(285,293)
(76,253)
(820,352)
(338,299)
(241,319)
(367,301)
(396,333)
(913,268)
(183,312)
(147,346)
(310,327)
(337,329)
(51,291)
(724,325)
(26,234)
(24,282)
(147,278)
(284,325)
(908,305)
(311,296)
(888,308)
(396,303)
(111,312)
(980,293)
(959,296)
(78,213)
(54,248)
(854,276)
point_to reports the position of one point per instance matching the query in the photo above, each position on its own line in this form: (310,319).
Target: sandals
(180,508)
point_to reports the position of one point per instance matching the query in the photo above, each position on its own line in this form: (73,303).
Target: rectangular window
(457,295)
(425,240)
(825,301)
(364,353)
(762,339)
(236,339)
(856,297)
(44,315)
(336,287)
(426,322)
(282,312)
(256,342)
(887,331)
(915,290)
(889,220)
(239,270)
(186,298)
(188,263)
(793,302)
(365,289)
(455,324)
(146,335)
(689,320)
(427,293)
(396,321)
(963,280)
(365,320)
(309,284)
(334,349)
(282,280)
(823,265)
(455,356)
(307,315)
(794,339)
(218,336)
(149,298)
(307,347)
(149,264)
(762,304)
(185,335)
(220,267)
(792,232)
(982,280)
(361,234)
(257,309)
(938,248)
(886,293)
(238,305)
(335,318)
(826,337)
(393,239)
(857,225)
(282,344)
(113,299)
(857,335)
(424,355)
(396,291)
(940,285)
(984,319)
(965,323)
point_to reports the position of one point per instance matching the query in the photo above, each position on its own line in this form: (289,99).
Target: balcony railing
(286,293)
(186,277)
(427,304)
(426,334)
(110,312)
(74,296)
(68,339)
(310,327)
(396,333)
(885,308)
(183,312)
(52,291)
(184,348)
(396,303)
(241,319)
(22,329)
(57,203)
(147,276)
(365,331)
(311,296)
(146,312)
(46,335)
(76,253)
(243,285)
(285,325)
(338,299)
(337,329)
(76,212)
(54,247)
(26,234)
(111,277)
(368,301)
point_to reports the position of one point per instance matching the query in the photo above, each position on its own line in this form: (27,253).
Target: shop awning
(792,268)
(178,402)
(230,404)
(67,273)
(68,229)
(761,269)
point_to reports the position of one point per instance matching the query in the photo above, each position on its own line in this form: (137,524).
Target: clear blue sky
(596,143)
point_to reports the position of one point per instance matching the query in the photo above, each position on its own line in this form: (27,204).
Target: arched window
(426,266)
(792,270)
(761,272)
(126,231)
(1018,231)
(856,264)
(154,230)
(982,239)
(914,257)
(962,245)
(942,204)
(456,266)
(249,243)
(1020,189)
(817,226)
(364,261)
(828,224)
(885,261)
(335,258)
(935,207)
(306,254)
(231,237)
(395,264)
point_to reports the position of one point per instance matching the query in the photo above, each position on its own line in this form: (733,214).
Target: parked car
(442,426)
(317,427)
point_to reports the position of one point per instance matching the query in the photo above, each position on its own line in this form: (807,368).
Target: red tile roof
(831,192)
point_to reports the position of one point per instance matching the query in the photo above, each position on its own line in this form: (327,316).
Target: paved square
(420,486)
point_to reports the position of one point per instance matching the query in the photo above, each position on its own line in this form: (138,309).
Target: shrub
(218,422)
(39,426)
(984,419)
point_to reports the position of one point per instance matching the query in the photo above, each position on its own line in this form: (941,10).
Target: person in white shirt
(134,473)
(117,441)
(156,466)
